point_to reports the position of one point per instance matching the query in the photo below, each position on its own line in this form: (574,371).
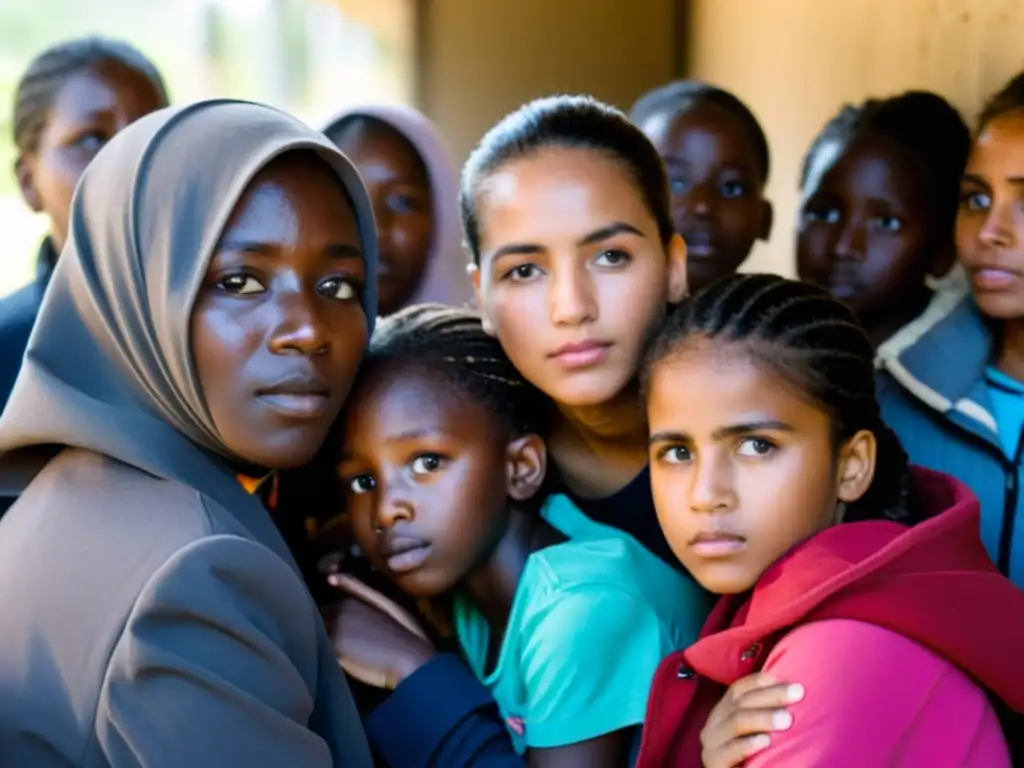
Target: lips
(301,395)
(403,554)
(993,277)
(699,243)
(581,354)
(717,544)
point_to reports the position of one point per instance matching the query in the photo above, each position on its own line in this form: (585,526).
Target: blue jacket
(933,391)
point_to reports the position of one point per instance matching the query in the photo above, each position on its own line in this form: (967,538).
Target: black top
(630,509)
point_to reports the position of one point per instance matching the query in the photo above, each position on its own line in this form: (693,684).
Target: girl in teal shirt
(562,618)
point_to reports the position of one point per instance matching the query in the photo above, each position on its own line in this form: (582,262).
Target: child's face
(990,225)
(426,474)
(92,106)
(573,273)
(402,209)
(278,329)
(742,467)
(716,185)
(866,226)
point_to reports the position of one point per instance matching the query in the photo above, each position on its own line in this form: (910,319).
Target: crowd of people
(314,455)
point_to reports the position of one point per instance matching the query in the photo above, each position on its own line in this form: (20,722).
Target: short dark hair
(452,343)
(566,122)
(680,95)
(923,124)
(42,80)
(1009,98)
(800,333)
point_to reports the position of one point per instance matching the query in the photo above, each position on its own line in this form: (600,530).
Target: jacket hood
(933,583)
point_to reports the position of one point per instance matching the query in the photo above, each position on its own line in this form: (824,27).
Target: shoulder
(856,710)
(19,309)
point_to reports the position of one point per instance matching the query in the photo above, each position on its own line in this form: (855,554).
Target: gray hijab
(109,365)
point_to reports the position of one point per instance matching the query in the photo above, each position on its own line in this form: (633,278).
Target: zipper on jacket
(1010,508)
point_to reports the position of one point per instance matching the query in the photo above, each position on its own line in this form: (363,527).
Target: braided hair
(452,342)
(46,74)
(925,126)
(566,122)
(798,332)
(681,95)
(1009,98)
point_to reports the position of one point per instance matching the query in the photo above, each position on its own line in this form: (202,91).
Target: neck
(880,328)
(1011,350)
(492,586)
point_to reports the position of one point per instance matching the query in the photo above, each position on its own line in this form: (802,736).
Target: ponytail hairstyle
(566,122)
(48,71)
(452,342)
(798,332)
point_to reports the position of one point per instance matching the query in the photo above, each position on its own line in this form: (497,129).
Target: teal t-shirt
(591,620)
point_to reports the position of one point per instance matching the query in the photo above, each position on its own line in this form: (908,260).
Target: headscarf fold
(109,363)
(445,280)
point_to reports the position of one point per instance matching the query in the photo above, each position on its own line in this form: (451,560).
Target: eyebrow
(597,236)
(723,432)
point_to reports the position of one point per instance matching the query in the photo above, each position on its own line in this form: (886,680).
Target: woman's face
(91,106)
(990,224)
(278,329)
(572,271)
(399,190)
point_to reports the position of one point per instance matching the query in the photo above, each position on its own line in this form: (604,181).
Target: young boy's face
(717,187)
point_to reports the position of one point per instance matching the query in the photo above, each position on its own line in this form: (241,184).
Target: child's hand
(376,641)
(739,725)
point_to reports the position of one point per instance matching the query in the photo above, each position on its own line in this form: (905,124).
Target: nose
(711,490)
(998,229)
(395,506)
(851,243)
(697,202)
(299,329)
(571,297)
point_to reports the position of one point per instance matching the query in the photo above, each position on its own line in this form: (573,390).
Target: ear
(767,220)
(856,467)
(24,172)
(677,284)
(473,271)
(526,463)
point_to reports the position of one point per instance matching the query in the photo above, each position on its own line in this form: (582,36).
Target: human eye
(755,447)
(521,273)
(732,189)
(340,288)
(361,484)
(674,454)
(821,214)
(888,223)
(240,284)
(975,200)
(426,464)
(91,141)
(612,257)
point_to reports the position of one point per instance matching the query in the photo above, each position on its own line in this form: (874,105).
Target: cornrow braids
(680,95)
(452,342)
(46,74)
(814,343)
(566,122)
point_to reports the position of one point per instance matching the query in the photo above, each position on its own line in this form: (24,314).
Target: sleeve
(216,666)
(874,697)
(587,663)
(415,727)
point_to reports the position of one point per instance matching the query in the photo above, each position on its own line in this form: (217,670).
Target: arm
(416,727)
(874,697)
(587,663)
(216,665)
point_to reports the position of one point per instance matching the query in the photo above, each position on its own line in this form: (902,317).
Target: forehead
(555,194)
(107,86)
(700,128)
(705,385)
(1001,143)
(869,166)
(395,398)
(375,142)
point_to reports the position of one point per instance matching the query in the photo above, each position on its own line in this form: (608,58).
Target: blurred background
(468,62)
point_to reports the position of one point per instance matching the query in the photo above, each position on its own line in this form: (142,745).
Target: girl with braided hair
(71,100)
(780,489)
(880,187)
(443,464)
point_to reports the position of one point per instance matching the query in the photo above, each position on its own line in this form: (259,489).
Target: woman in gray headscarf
(203,326)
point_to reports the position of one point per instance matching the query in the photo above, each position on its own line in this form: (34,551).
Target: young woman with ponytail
(779,488)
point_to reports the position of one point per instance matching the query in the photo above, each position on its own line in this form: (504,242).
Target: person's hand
(376,641)
(741,724)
